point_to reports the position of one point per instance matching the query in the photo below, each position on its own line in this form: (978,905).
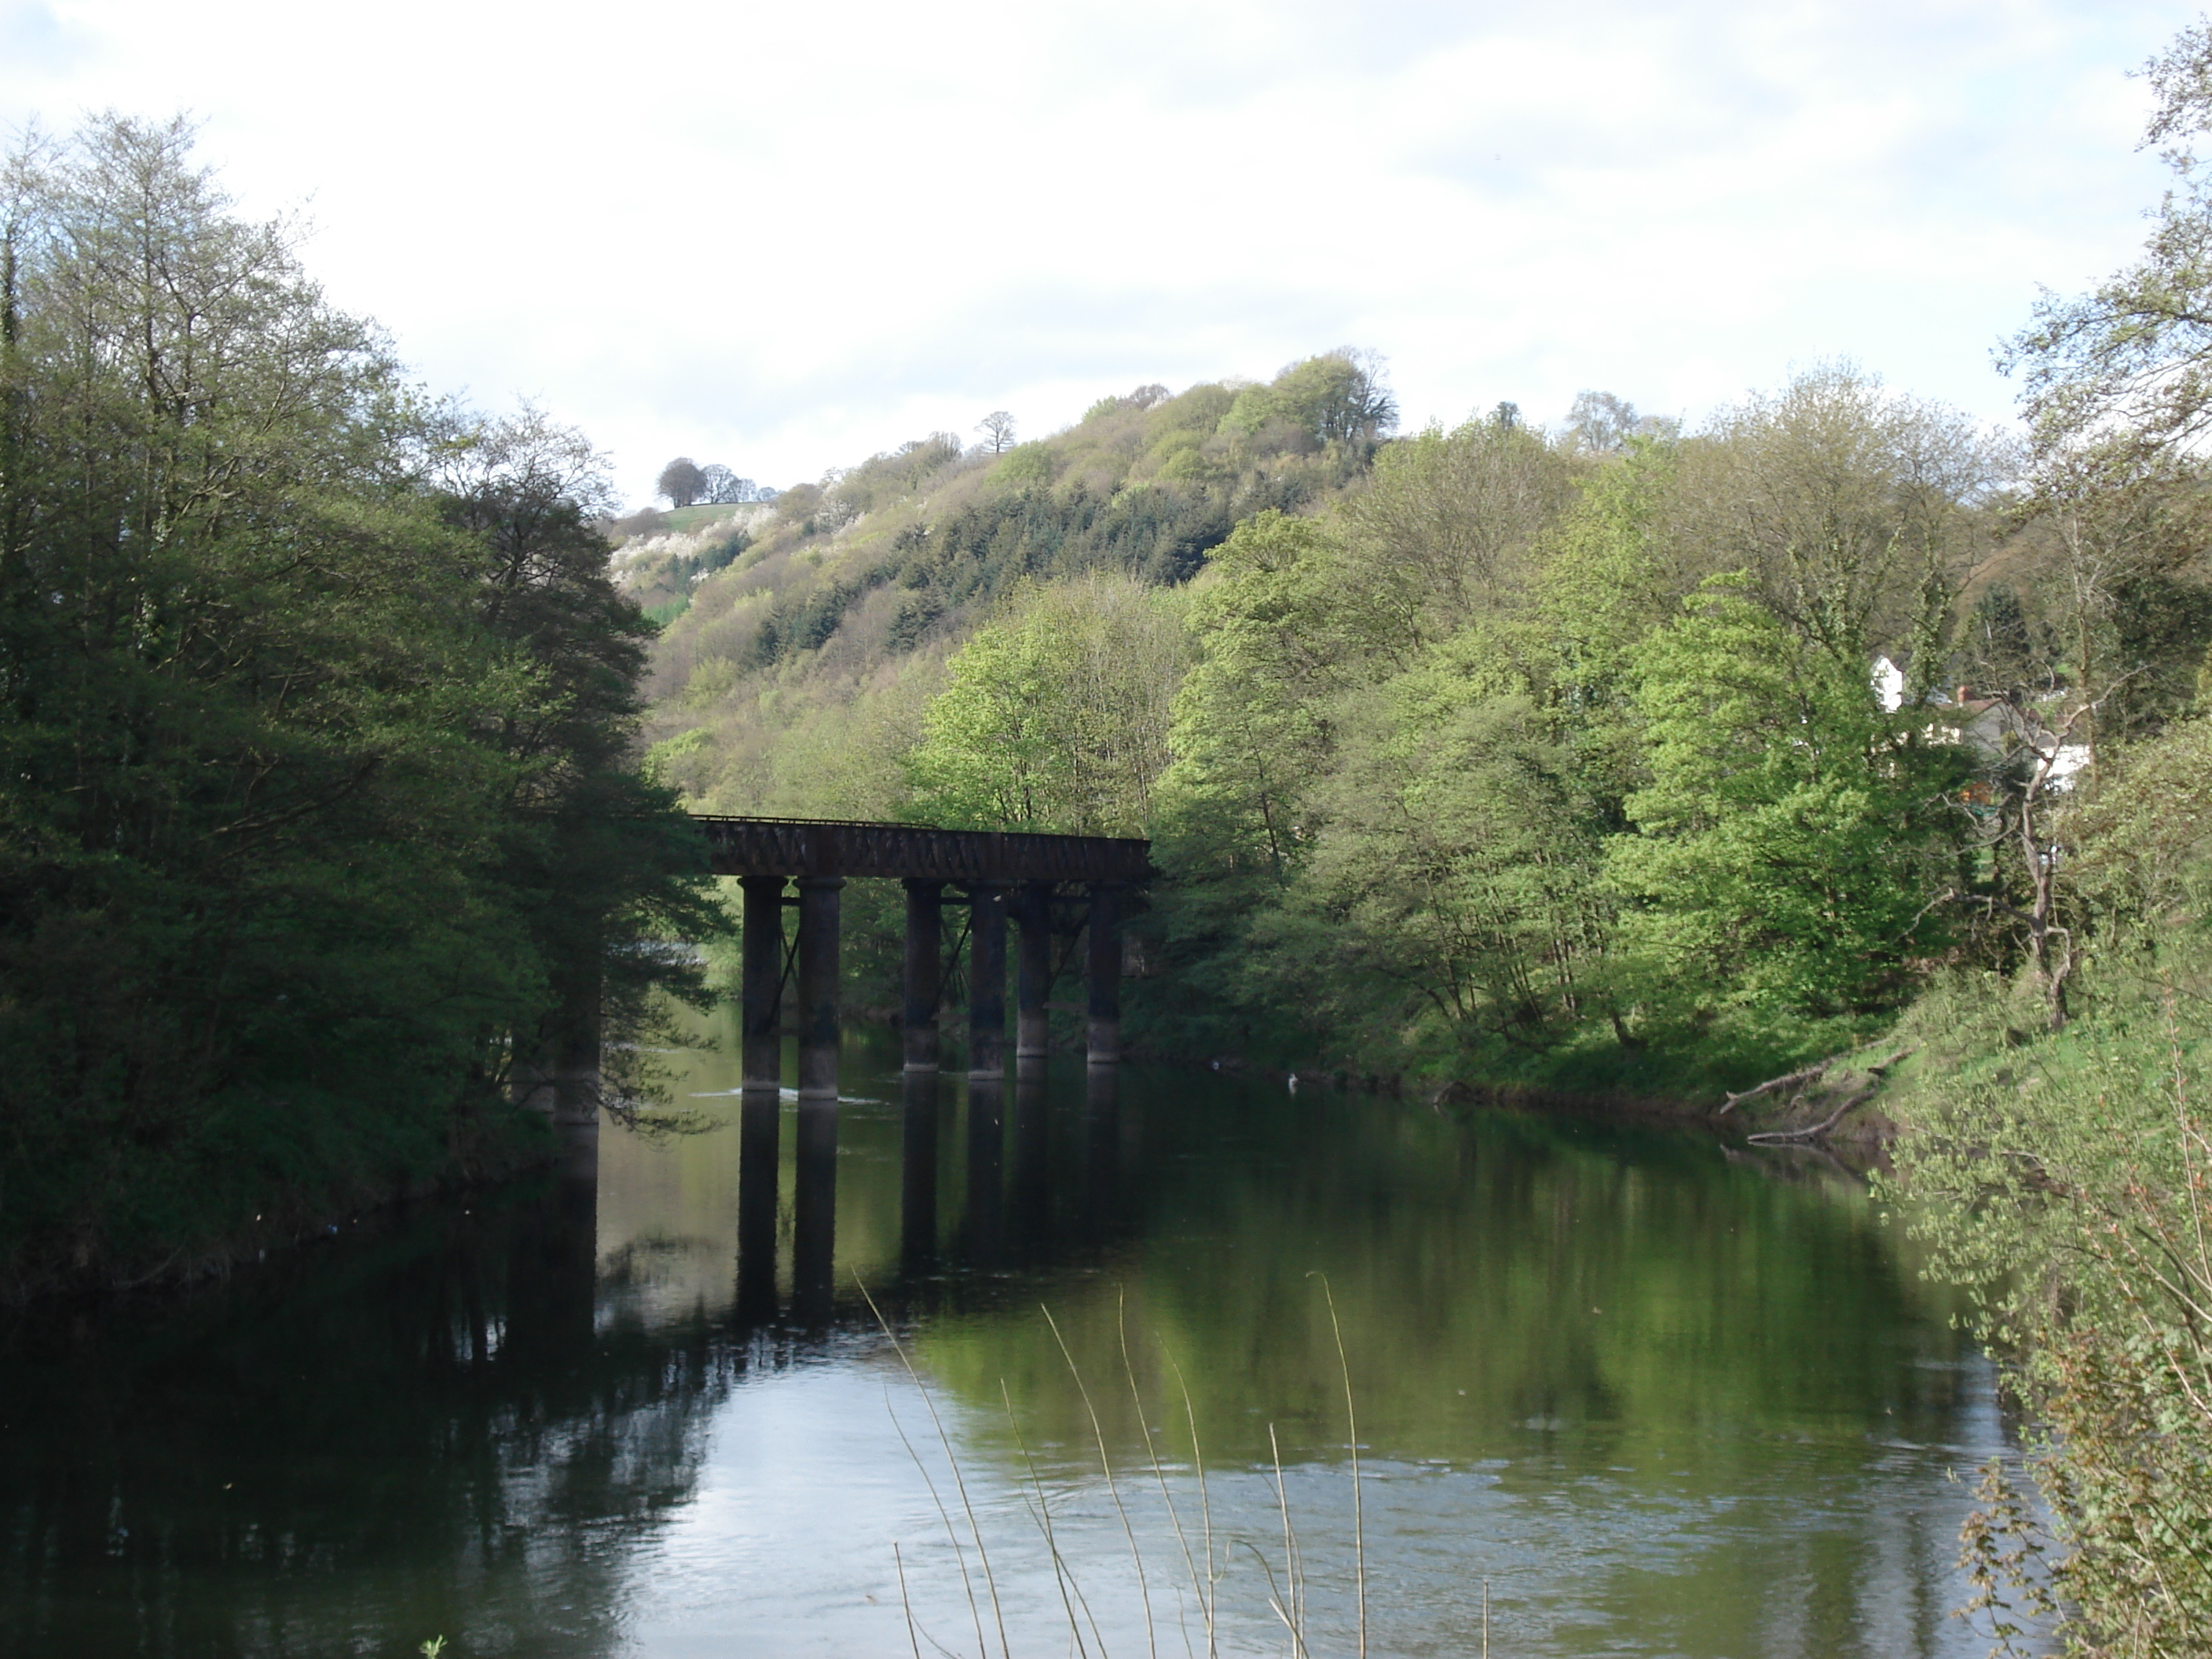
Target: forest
(320,824)
(1487,754)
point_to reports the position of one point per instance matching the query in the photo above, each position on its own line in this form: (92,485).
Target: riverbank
(1832,1099)
(1860,1126)
(87,1270)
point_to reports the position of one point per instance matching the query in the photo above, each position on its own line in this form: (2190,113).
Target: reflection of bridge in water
(1051,887)
(1025,1180)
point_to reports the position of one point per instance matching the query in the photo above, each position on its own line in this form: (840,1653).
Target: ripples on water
(1657,1401)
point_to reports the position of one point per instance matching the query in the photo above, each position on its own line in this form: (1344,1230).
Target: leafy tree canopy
(311,692)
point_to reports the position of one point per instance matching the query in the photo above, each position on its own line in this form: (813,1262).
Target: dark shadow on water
(918,1126)
(983,1235)
(814,1224)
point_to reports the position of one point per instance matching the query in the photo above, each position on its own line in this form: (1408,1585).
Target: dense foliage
(314,699)
(1507,753)
(798,661)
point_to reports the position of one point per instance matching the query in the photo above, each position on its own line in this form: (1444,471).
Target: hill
(786,625)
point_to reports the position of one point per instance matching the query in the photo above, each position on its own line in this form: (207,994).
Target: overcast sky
(784,237)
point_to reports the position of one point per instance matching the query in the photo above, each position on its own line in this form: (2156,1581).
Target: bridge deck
(823,846)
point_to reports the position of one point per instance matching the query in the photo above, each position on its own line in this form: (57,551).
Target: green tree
(594,855)
(1252,728)
(276,714)
(1462,850)
(2130,362)
(1447,530)
(1858,514)
(1337,397)
(1791,836)
(1056,718)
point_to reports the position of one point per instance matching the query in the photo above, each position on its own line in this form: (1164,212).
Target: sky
(785,237)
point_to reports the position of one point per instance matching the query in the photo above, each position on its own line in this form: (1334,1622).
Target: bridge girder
(810,847)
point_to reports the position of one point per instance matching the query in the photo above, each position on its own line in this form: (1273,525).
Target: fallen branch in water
(1878,1071)
(1771,1136)
(1810,1074)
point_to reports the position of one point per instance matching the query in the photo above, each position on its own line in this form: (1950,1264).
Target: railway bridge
(1046,885)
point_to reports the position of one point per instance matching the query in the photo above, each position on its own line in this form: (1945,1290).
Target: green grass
(689,519)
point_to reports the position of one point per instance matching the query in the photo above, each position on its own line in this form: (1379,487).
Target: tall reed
(1204,1560)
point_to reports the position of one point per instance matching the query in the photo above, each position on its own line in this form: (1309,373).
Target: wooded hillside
(834,610)
(1494,752)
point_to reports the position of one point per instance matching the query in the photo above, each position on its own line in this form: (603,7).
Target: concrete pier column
(986,979)
(817,987)
(925,942)
(1033,973)
(761,995)
(1105,1040)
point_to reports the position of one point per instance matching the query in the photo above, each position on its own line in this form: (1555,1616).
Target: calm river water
(1636,1395)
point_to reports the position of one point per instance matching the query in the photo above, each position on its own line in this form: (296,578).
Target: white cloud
(783,238)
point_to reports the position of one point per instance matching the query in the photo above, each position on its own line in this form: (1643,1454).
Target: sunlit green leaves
(1056,718)
(1791,836)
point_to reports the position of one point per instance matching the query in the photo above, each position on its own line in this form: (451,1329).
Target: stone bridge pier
(1048,887)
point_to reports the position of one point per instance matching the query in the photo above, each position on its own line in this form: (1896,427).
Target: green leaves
(315,706)
(1055,718)
(1790,836)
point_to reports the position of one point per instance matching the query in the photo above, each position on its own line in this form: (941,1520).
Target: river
(1616,1390)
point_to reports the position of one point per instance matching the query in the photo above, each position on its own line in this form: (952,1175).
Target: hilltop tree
(1339,397)
(997,430)
(683,480)
(1603,423)
(720,487)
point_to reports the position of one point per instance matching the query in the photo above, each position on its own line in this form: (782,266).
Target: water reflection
(412,1431)
(1664,1403)
(760,1126)
(814,1227)
(918,1131)
(1101,1150)
(983,1238)
(1030,1199)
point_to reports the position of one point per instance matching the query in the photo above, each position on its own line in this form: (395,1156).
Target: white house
(1996,728)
